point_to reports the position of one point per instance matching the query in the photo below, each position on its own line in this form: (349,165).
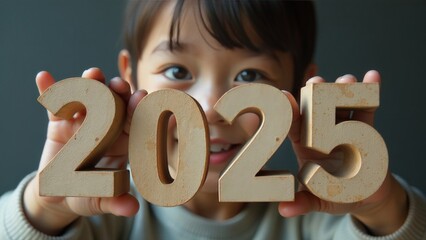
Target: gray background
(67,37)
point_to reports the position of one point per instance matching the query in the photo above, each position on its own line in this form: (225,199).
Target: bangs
(255,25)
(229,22)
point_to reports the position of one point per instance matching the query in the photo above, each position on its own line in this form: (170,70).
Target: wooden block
(71,172)
(148,147)
(365,154)
(243,180)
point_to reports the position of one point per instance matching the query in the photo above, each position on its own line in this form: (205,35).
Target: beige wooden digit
(243,180)
(365,155)
(148,147)
(71,172)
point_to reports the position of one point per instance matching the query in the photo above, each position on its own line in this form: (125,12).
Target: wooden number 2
(239,182)
(148,147)
(71,172)
(366,159)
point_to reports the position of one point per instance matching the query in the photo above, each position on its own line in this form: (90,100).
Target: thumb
(123,205)
(305,202)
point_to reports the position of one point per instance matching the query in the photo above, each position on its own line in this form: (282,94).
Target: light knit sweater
(256,221)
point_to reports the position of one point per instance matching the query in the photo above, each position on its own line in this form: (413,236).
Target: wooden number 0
(366,158)
(240,181)
(148,147)
(71,172)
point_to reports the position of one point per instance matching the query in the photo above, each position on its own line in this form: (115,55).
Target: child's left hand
(382,213)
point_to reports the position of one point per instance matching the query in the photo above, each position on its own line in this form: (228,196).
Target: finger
(43,81)
(111,161)
(344,115)
(133,103)
(372,76)
(117,155)
(316,79)
(305,202)
(94,73)
(128,208)
(348,78)
(91,73)
(294,132)
(367,115)
(123,205)
(121,87)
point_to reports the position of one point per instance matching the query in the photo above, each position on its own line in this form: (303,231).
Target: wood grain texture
(365,157)
(72,171)
(148,147)
(243,180)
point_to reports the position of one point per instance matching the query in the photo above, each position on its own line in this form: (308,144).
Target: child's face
(206,70)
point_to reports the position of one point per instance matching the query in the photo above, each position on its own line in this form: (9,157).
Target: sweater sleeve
(413,228)
(14,224)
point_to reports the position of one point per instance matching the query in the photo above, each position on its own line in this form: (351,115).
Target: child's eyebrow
(167,46)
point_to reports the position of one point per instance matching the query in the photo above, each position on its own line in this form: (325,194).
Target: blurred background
(67,37)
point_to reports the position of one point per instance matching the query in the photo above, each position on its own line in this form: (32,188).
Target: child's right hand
(383,213)
(52,214)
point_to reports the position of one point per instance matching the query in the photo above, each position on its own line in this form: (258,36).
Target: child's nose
(207,96)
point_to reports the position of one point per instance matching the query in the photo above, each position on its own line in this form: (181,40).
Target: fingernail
(39,74)
(116,79)
(347,76)
(89,69)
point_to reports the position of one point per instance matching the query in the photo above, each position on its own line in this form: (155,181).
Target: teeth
(215,148)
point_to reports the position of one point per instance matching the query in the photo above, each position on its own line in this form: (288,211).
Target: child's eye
(249,75)
(177,73)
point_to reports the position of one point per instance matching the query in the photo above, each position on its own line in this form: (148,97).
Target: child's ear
(311,71)
(125,67)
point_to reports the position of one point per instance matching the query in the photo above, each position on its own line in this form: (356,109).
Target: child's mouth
(222,153)
(217,148)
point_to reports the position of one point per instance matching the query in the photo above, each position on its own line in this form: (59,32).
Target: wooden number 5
(365,155)
(71,172)
(242,180)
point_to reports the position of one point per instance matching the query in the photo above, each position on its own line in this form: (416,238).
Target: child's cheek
(249,123)
(172,146)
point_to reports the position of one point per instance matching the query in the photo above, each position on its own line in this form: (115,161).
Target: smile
(216,148)
(220,153)
(223,153)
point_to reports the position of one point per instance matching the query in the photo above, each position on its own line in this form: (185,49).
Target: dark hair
(282,25)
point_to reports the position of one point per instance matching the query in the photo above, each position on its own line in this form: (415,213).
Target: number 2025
(72,171)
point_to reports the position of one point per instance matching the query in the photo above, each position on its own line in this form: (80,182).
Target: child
(205,48)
